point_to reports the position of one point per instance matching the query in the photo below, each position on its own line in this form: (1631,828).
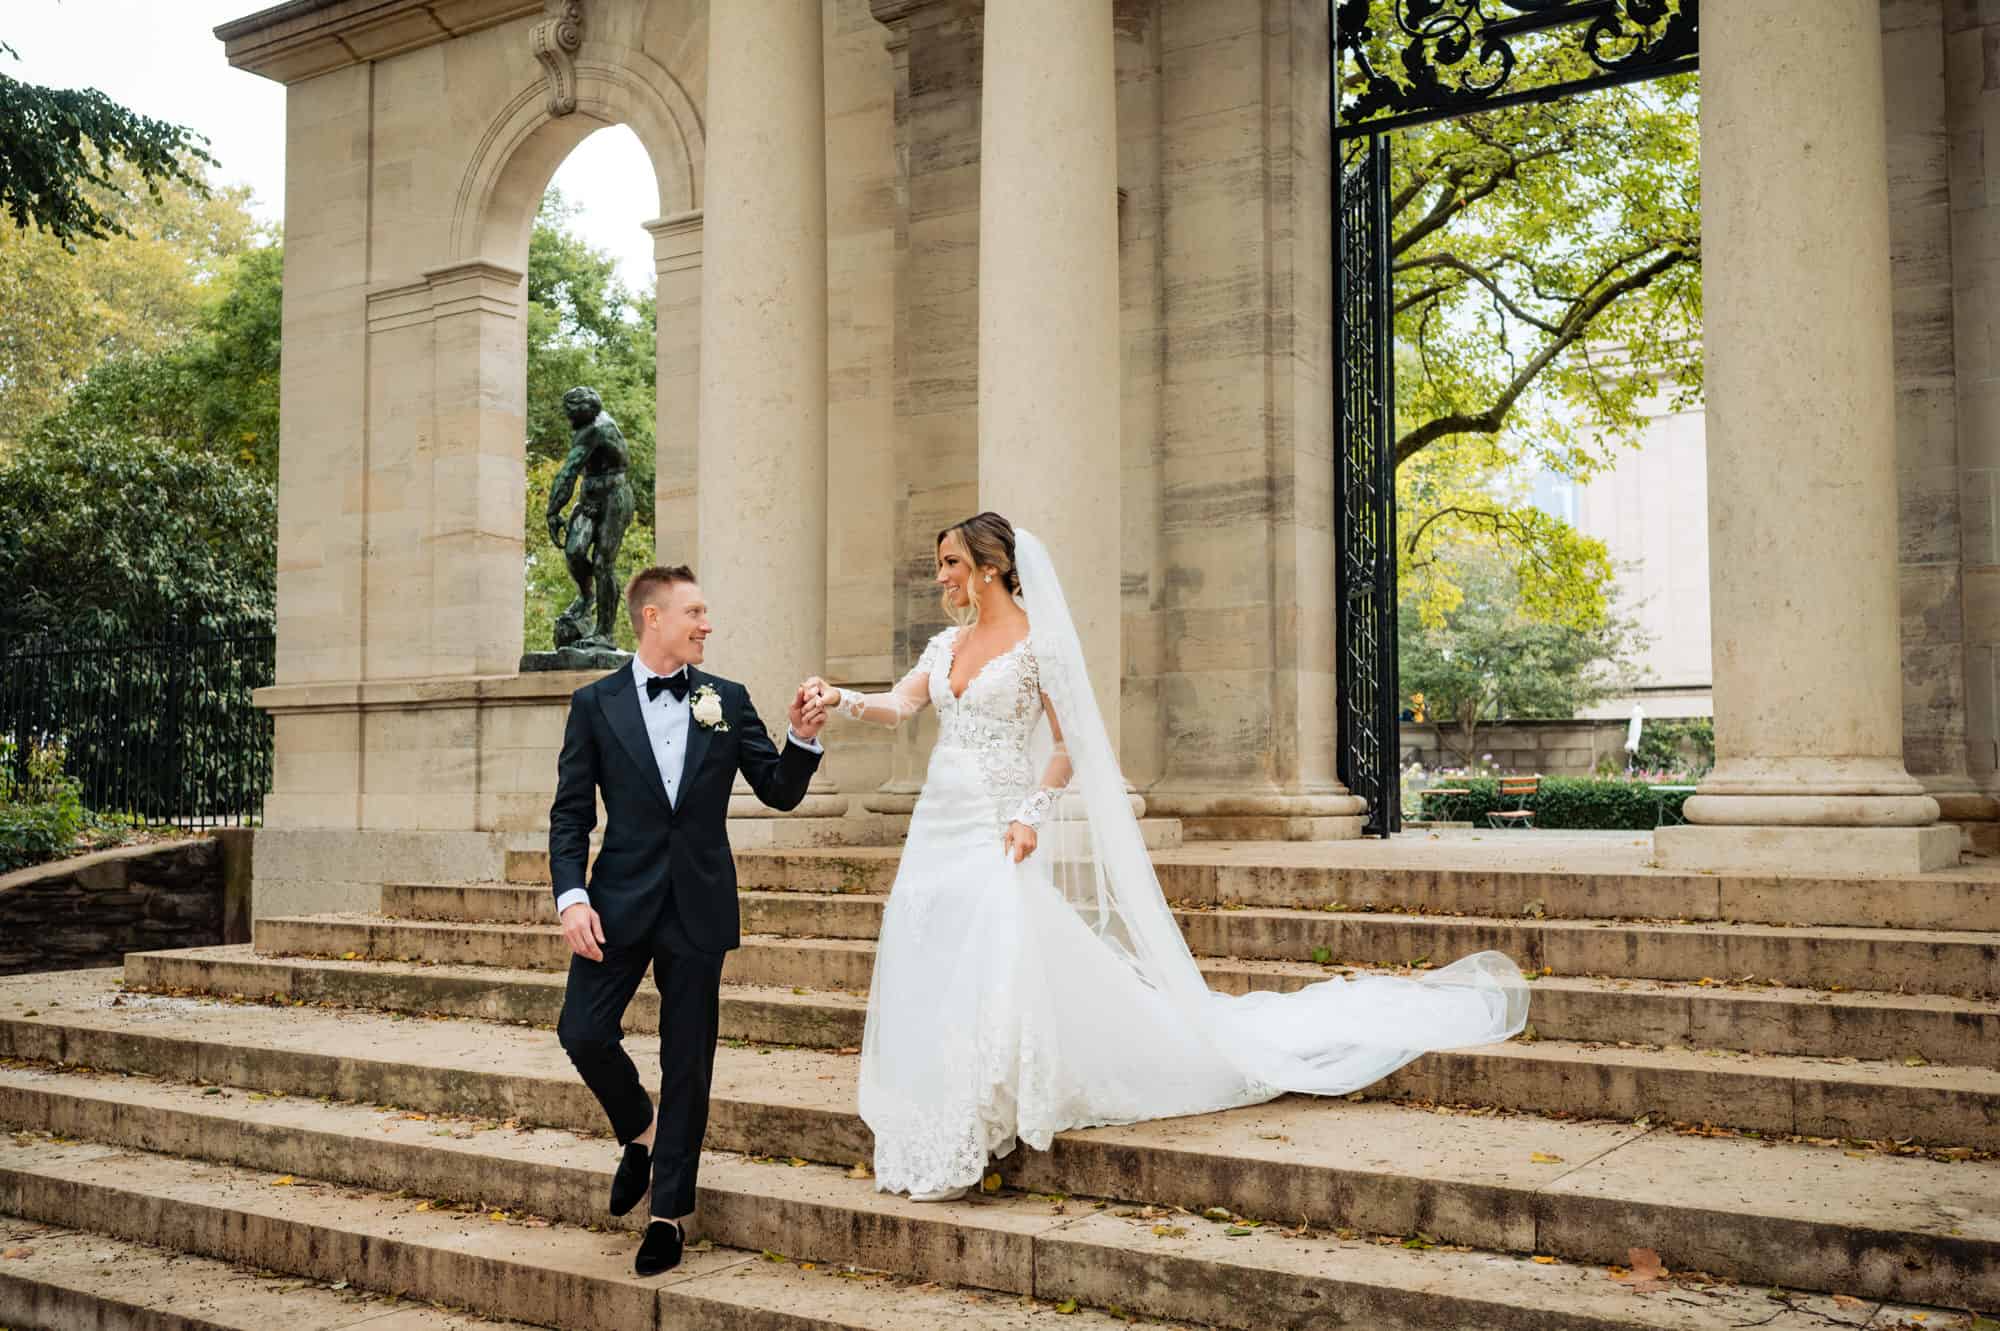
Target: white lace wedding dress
(1011,1002)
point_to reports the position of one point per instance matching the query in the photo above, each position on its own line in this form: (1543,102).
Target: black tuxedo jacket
(651,848)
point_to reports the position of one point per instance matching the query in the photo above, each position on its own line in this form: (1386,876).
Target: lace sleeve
(910,696)
(1055,776)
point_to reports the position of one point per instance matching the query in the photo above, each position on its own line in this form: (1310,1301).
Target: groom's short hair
(648,583)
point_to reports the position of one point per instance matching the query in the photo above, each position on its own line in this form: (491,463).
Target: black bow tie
(676,684)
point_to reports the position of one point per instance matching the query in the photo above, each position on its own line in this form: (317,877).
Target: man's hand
(808,710)
(556,529)
(583,931)
(1020,841)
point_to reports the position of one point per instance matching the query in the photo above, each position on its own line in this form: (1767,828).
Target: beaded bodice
(995,719)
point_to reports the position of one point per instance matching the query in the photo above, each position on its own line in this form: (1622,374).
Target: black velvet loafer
(660,1250)
(633,1179)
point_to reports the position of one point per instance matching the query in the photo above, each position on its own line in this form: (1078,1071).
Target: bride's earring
(989,577)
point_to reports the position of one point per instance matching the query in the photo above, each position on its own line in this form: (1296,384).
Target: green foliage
(41,808)
(1489,657)
(67,310)
(1685,747)
(61,151)
(114,538)
(1562,803)
(584,327)
(216,392)
(1547,285)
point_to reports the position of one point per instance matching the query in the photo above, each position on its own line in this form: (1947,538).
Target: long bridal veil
(1329,1038)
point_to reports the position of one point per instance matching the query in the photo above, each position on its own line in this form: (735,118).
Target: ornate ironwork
(1457,56)
(1364,489)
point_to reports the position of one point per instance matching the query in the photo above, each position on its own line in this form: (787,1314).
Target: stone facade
(92,910)
(421,136)
(1544,748)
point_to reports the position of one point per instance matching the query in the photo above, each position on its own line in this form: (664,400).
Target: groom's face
(677,623)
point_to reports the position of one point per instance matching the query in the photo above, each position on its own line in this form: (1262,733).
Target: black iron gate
(1364,487)
(1452,57)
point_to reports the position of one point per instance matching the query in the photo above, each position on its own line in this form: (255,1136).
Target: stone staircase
(1800,1120)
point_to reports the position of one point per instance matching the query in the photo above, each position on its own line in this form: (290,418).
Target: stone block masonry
(92,910)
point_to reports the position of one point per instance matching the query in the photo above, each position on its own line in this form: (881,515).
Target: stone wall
(1546,748)
(92,910)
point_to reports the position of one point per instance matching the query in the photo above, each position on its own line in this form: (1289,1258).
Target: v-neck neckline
(952,660)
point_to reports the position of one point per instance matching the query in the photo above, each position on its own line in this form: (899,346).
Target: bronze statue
(590,538)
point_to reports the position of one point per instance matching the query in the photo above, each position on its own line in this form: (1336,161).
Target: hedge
(1562,803)
(41,809)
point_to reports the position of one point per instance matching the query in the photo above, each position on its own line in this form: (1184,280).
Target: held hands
(1020,842)
(808,711)
(583,931)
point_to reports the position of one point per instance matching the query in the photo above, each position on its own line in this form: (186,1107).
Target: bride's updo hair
(988,539)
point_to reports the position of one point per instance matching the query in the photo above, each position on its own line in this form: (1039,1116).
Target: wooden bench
(1520,789)
(1429,791)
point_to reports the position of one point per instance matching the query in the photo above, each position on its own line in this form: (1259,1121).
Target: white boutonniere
(707,705)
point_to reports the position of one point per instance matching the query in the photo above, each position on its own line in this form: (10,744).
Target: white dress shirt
(667,720)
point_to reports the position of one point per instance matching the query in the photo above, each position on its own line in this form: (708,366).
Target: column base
(1815,851)
(823,800)
(1975,814)
(1271,817)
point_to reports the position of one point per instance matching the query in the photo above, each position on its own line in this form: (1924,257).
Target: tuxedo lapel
(697,738)
(621,708)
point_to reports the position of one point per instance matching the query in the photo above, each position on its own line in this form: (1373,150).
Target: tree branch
(1573,326)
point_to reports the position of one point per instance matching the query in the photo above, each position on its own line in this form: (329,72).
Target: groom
(662,742)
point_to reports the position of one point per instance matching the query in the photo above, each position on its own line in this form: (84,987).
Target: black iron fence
(159,731)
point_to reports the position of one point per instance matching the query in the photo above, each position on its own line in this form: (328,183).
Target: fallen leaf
(1847,1301)
(1216,1213)
(1322,955)
(1238,1231)
(1916,1061)
(16,1254)
(1066,1306)
(350,956)
(860,1170)
(990,1184)
(284,1182)
(338,1284)
(1170,1231)
(1546,1261)
(1544,1158)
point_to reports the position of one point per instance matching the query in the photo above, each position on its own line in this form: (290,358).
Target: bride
(1030,977)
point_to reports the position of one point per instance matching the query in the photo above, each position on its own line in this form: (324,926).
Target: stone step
(1833,1217)
(494,1258)
(517,1245)
(1490,877)
(62,1278)
(766,1014)
(1964,965)
(1742,1018)
(1845,1097)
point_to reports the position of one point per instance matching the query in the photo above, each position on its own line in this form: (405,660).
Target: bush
(41,807)
(1562,803)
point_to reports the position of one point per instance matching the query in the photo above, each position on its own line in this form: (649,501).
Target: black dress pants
(690,984)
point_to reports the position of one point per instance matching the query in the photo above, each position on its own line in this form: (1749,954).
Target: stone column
(677,246)
(1802,455)
(1049,372)
(761,468)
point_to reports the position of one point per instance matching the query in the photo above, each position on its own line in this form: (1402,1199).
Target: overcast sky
(161,58)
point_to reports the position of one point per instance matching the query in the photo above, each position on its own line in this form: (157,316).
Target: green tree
(117,538)
(215,391)
(1489,658)
(1546,265)
(67,309)
(69,159)
(584,327)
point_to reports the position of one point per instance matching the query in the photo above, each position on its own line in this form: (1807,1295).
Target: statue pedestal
(573,658)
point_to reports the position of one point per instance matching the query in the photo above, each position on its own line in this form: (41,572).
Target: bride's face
(955,570)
